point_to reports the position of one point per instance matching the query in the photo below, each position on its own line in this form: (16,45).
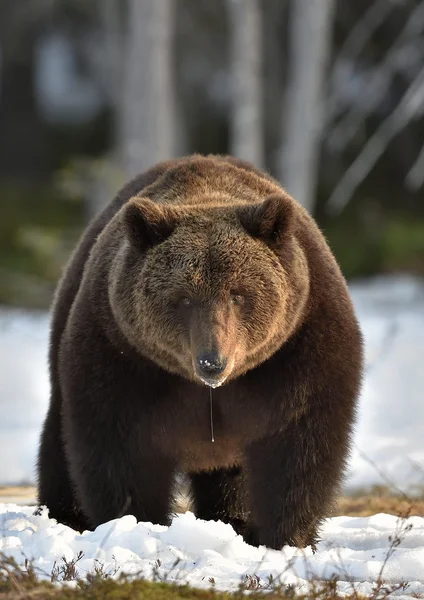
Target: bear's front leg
(115,468)
(108,489)
(293,477)
(113,477)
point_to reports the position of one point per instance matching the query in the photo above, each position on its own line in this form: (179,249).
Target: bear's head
(209,290)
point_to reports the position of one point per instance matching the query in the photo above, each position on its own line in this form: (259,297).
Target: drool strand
(211,412)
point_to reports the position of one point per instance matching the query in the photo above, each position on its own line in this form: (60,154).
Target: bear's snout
(210,367)
(211,363)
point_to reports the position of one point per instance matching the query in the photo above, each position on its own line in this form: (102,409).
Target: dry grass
(365,506)
(18,494)
(21,583)
(362,503)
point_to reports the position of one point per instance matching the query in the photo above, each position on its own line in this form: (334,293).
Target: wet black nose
(211,363)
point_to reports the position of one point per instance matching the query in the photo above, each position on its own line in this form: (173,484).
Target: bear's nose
(211,363)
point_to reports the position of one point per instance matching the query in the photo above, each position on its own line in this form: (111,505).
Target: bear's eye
(186,301)
(237,299)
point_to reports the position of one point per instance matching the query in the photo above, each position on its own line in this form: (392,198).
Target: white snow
(194,551)
(24,391)
(391,415)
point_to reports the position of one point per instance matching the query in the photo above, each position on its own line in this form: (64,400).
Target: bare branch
(410,103)
(378,85)
(392,485)
(358,37)
(415,176)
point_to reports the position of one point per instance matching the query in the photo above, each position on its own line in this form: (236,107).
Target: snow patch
(195,551)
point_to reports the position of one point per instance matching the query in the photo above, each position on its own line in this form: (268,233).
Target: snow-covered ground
(200,552)
(390,425)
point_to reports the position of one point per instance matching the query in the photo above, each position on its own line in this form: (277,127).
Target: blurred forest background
(327,95)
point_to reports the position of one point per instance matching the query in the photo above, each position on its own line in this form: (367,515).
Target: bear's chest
(204,456)
(187,426)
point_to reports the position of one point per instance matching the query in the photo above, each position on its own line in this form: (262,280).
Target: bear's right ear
(271,220)
(148,223)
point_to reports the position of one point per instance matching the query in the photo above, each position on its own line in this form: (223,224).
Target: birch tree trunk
(246,130)
(148,107)
(310,39)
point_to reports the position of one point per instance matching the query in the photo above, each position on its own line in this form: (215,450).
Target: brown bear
(203,274)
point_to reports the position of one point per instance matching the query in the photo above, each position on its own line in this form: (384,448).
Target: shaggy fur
(202,270)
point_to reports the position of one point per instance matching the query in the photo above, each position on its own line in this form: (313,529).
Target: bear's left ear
(148,223)
(270,220)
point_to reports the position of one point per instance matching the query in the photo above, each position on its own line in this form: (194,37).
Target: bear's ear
(270,220)
(148,223)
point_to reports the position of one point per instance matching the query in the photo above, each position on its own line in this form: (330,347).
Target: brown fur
(202,269)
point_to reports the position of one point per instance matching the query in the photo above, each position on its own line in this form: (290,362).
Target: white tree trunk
(309,43)
(246,131)
(148,108)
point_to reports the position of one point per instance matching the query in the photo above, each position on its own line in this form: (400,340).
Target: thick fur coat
(202,274)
